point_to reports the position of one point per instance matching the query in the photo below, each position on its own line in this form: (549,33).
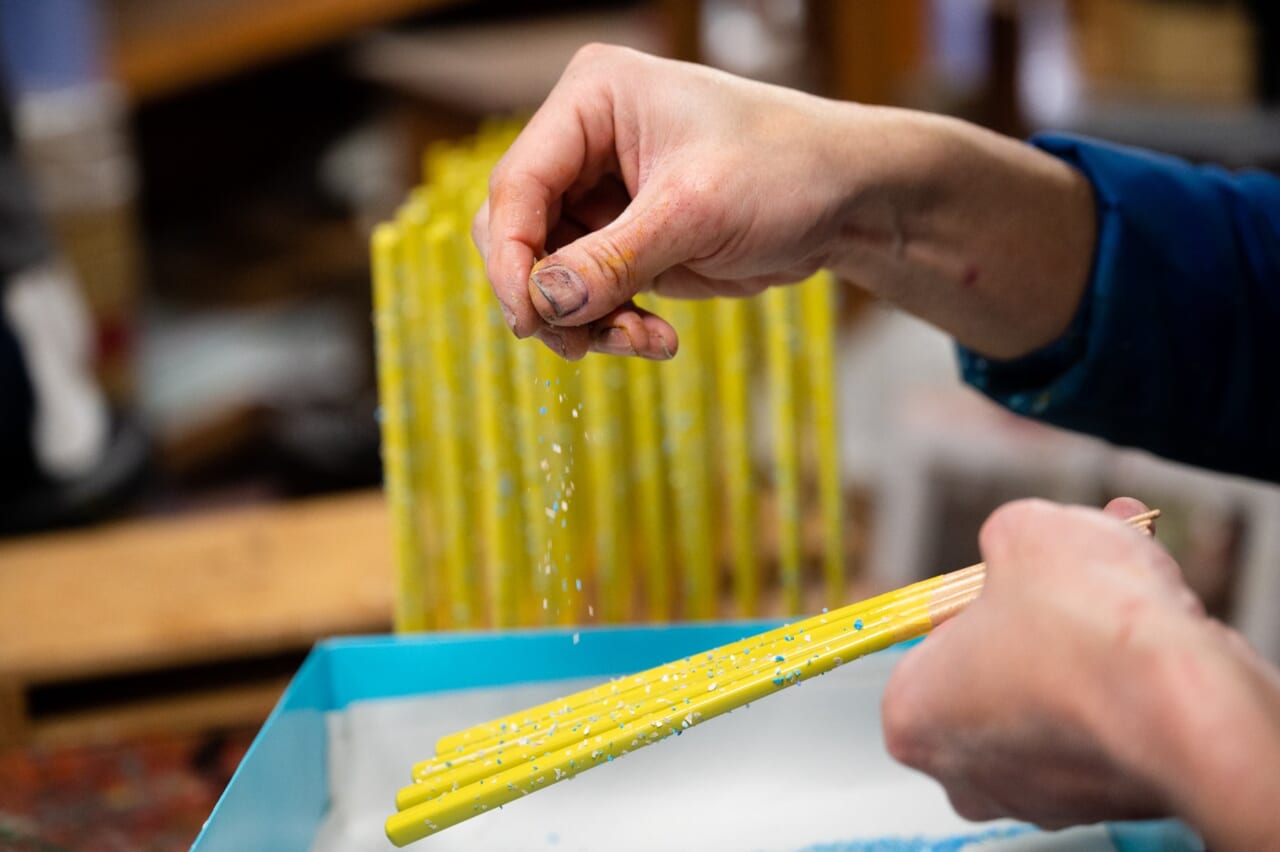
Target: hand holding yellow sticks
(494,764)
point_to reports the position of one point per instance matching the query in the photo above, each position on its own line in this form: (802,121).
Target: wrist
(1198,720)
(981,235)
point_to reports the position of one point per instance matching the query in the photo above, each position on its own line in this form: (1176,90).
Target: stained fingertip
(662,343)
(569,344)
(517,312)
(614,340)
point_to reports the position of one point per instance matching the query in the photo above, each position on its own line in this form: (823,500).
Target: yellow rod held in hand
(462,740)
(685,679)
(620,738)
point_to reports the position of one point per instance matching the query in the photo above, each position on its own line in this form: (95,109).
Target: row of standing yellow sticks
(464,463)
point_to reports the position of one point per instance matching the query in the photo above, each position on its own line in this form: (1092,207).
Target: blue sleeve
(1176,345)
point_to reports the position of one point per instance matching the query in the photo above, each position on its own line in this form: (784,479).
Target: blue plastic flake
(857,624)
(779,658)
(578,584)
(542,410)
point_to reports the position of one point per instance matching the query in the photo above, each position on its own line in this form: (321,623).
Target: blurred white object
(500,67)
(955,442)
(71,425)
(887,357)
(761,39)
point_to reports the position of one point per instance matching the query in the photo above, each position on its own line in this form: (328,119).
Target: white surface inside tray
(805,768)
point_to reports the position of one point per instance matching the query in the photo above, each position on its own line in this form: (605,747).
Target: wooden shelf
(160,47)
(172,593)
(180,713)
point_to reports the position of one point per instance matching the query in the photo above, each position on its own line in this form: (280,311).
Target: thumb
(1125,508)
(599,272)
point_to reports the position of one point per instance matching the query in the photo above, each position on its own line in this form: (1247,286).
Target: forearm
(1196,712)
(978,234)
(1226,765)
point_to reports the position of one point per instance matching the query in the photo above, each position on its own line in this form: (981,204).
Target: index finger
(570,135)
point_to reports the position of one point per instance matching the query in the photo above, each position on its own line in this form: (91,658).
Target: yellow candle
(494,486)
(528,426)
(449,446)
(731,349)
(606,466)
(651,537)
(779,323)
(818,315)
(556,458)
(686,459)
(411,598)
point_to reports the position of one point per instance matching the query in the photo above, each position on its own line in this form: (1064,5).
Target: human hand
(1086,683)
(646,174)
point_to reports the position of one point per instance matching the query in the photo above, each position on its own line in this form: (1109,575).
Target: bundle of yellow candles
(495,763)
(528,490)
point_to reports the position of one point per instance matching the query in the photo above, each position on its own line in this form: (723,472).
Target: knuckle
(1007,521)
(901,728)
(614,264)
(593,52)
(970,806)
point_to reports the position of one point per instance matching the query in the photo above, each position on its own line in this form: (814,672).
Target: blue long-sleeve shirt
(1176,345)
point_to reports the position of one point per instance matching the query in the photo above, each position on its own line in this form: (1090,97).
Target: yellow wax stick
(556,452)
(537,773)
(424,429)
(448,447)
(649,493)
(574,528)
(733,438)
(751,657)
(450,743)
(411,597)
(779,323)
(603,457)
(421,426)
(494,489)
(686,461)
(530,719)
(527,427)
(818,322)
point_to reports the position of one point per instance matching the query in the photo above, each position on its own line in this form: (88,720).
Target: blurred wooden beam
(163,594)
(869,48)
(160,47)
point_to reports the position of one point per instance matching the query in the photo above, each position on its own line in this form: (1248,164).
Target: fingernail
(615,341)
(556,341)
(658,341)
(563,289)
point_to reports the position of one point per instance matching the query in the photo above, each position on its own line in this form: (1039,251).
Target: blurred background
(193,184)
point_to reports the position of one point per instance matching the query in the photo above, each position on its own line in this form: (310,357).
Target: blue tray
(279,795)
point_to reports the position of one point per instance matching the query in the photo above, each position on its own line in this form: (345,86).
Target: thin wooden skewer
(537,766)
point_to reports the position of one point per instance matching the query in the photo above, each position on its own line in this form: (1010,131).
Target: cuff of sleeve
(1028,384)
